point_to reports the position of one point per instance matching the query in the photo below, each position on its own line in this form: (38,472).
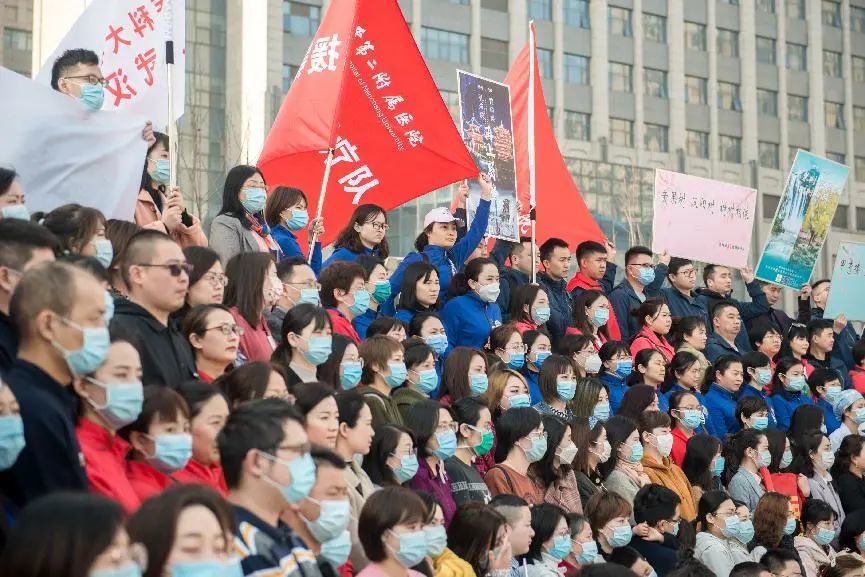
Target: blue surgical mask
(561,547)
(18,211)
(745,531)
(516,360)
(478,383)
(763,376)
(11,440)
(859,415)
(447,441)
(381,292)
(302,470)
(109,308)
(309,295)
(436,540)
(438,343)
(765,458)
(398,374)
(211,568)
(350,374)
(332,519)
(636,454)
(718,466)
(790,526)
(832,394)
(786,459)
(123,402)
(624,367)
(601,412)
(92,353)
(692,418)
(621,536)
(318,349)
(824,536)
(92,96)
(161,173)
(521,400)
(540,357)
(675,530)
(129,570)
(427,381)
(731,527)
(647,276)
(336,551)
(538,449)
(541,315)
(796,384)
(588,554)
(600,317)
(298,220)
(361,302)
(255,199)
(566,389)
(407,468)
(759,423)
(104,251)
(412,548)
(172,452)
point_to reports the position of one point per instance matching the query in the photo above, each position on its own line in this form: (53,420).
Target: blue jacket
(829,418)
(511,280)
(532,380)
(682,306)
(560,305)
(468,320)
(722,411)
(700,397)
(717,347)
(758,306)
(616,388)
(624,299)
(289,246)
(749,391)
(361,323)
(784,403)
(833,362)
(447,262)
(349,255)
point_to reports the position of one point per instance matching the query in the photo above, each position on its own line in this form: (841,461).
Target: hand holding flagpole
(313,236)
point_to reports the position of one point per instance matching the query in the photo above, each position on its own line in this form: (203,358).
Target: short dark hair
(414,273)
(678,263)
(759,331)
(775,559)
(308,395)
(817,326)
(637,251)
(322,456)
(709,271)
(140,250)
(816,511)
(234,180)
(280,199)
(654,503)
(51,286)
(202,260)
(296,319)
(513,425)
(70,59)
(384,443)
(197,394)
(859,352)
(747,406)
(820,377)
(721,305)
(383,325)
(349,404)
(625,556)
(383,510)
(338,275)
(285,268)
(7,175)
(246,382)
(159,402)
(349,238)
(747,569)
(588,248)
(19,237)
(546,250)
(851,528)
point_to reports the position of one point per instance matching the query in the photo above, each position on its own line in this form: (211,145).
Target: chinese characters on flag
(364,90)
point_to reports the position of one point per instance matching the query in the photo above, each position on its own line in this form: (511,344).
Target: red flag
(559,208)
(364,90)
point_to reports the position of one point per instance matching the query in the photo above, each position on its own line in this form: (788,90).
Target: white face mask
(664,444)
(567,454)
(605,453)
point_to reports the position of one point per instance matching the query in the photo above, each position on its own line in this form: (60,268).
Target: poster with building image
(487,130)
(802,220)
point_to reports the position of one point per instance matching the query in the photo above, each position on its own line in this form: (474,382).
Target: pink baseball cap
(440,214)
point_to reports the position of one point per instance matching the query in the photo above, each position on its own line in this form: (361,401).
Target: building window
(792,151)
(621,77)
(696,90)
(655,82)
(859,166)
(460,2)
(545,62)
(289,71)
(767,6)
(444,45)
(577,13)
(797,56)
(797,108)
(730,2)
(832,13)
(858,68)
(657,138)
(452,101)
(860,218)
(796,9)
(622,132)
(655,28)
(834,115)
(770,205)
(728,96)
(840,218)
(497,5)
(728,43)
(540,9)
(836,157)
(300,19)
(695,36)
(15,39)
(494,54)
(731,149)
(832,64)
(578,125)
(857,19)
(766,50)
(576,69)
(697,143)
(859,119)
(620,21)
(767,102)
(770,155)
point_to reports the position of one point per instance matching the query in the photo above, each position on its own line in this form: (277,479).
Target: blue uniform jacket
(700,397)
(468,320)
(785,403)
(829,418)
(616,388)
(758,306)
(722,411)
(717,347)
(289,246)
(361,323)
(624,299)
(560,305)
(349,255)
(532,380)
(682,306)
(749,391)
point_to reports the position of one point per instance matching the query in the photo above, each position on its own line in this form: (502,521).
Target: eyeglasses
(227,329)
(447,427)
(216,279)
(411,451)
(688,272)
(516,348)
(91,79)
(645,265)
(307,285)
(379,226)
(175,268)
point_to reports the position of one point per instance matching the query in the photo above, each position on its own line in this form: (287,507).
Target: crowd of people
(175,403)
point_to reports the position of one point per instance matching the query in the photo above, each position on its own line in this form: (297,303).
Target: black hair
(286,266)
(700,451)
(752,360)
(806,444)
(709,504)
(642,358)
(513,425)
(625,556)
(820,376)
(545,251)
(775,560)
(349,238)
(423,419)
(308,396)
(524,296)
(679,364)
(70,59)
(247,382)
(545,470)
(682,327)
(545,518)
(296,319)
(796,331)
(349,404)
(383,325)
(654,503)
(554,366)
(202,260)
(7,175)
(747,569)
(619,428)
(609,350)
(777,445)
(156,190)
(414,273)
(859,353)
(384,443)
(816,511)
(197,394)
(460,281)
(329,371)
(734,450)
(19,237)
(805,419)
(850,448)
(636,251)
(721,365)
(636,399)
(817,326)
(468,411)
(676,264)
(747,406)
(759,331)
(472,534)
(588,248)
(851,528)
(417,321)
(783,365)
(234,180)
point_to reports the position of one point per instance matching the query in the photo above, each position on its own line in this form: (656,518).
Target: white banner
(65,154)
(129,37)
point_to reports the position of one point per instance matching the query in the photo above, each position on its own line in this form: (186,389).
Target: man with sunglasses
(156,273)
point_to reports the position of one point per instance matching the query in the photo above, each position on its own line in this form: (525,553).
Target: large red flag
(364,90)
(559,208)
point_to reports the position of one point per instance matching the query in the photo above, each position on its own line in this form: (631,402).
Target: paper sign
(487,130)
(129,37)
(701,219)
(848,283)
(65,153)
(802,220)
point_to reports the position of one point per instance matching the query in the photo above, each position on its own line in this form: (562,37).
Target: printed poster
(848,283)
(487,130)
(802,220)
(701,219)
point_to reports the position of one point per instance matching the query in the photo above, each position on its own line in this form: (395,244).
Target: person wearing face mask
(378,287)
(597,272)
(815,460)
(208,410)
(748,454)
(475,438)
(435,432)
(744,534)
(717,523)
(752,413)
(529,308)
(558,385)
(825,386)
(551,543)
(539,349)
(12,196)
(12,440)
(80,230)
(593,449)
(473,313)
(299,286)
(383,371)
(421,378)
(617,365)
(849,408)
(687,416)
(464,375)
(591,315)
(657,441)
(623,472)
(507,389)
(521,442)
(813,546)
(305,343)
(581,350)
(111,398)
(554,473)
(789,390)
(703,465)
(429,327)
(655,323)
(608,514)
(479,539)
(286,213)
(506,343)
(591,401)
(756,378)
(642,280)
(660,509)
(344,295)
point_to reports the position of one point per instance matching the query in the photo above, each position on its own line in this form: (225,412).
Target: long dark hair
(850,447)
(583,438)
(636,399)
(700,451)
(524,295)
(296,319)
(783,365)
(796,331)
(155,190)
(513,425)
(734,450)
(472,534)
(545,518)
(546,470)
(202,260)
(619,428)
(414,273)
(384,443)
(709,504)
(349,238)
(245,290)
(460,281)
(681,362)
(582,322)
(329,371)
(231,204)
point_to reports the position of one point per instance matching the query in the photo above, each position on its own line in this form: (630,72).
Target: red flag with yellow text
(364,90)
(559,208)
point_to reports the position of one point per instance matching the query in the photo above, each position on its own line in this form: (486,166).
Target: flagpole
(531,148)
(168,16)
(327,163)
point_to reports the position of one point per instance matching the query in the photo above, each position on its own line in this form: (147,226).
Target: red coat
(343,326)
(105,464)
(583,282)
(680,443)
(647,339)
(857,376)
(146,480)
(256,344)
(196,473)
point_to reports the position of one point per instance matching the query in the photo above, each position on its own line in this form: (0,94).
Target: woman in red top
(591,311)
(655,317)
(253,288)
(530,308)
(160,439)
(208,410)
(110,398)
(215,339)
(687,415)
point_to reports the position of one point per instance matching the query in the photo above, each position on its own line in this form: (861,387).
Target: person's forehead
(561,252)
(302,272)
(328,477)
(82,69)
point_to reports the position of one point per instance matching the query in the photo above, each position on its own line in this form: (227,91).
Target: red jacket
(105,464)
(256,344)
(343,326)
(857,376)
(146,480)
(680,444)
(583,282)
(196,473)
(648,339)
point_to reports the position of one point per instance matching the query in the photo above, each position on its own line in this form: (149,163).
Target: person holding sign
(719,287)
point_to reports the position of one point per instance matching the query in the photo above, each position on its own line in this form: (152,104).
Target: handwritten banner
(701,219)
(848,283)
